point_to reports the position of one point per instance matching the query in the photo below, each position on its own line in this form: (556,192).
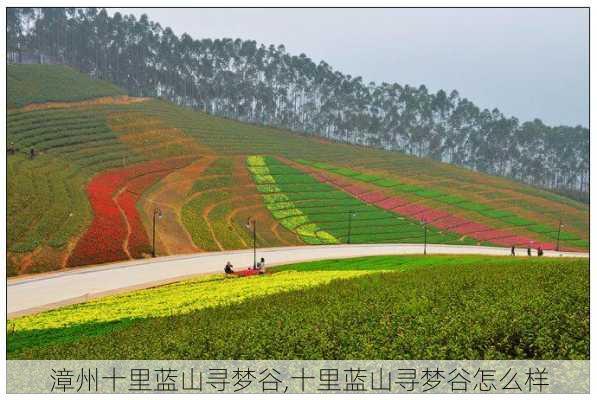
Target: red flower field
(137,241)
(116,232)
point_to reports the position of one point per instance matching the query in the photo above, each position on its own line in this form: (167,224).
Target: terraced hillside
(103,163)
(517,206)
(477,220)
(220,203)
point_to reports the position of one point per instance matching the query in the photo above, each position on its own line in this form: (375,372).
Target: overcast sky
(529,63)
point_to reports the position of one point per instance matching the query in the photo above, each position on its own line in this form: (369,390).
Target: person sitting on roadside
(260,267)
(228,268)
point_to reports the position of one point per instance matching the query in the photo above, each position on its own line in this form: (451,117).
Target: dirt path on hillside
(275,228)
(205,215)
(125,242)
(85,103)
(256,211)
(231,215)
(170,194)
(67,250)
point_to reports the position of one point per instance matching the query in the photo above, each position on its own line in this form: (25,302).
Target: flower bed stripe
(104,239)
(567,239)
(437,218)
(290,217)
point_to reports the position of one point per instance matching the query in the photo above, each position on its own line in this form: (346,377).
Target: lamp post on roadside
(560,226)
(252,223)
(424,223)
(157,212)
(350,215)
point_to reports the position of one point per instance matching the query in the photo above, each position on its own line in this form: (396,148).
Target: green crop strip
(196,224)
(320,213)
(291,217)
(46,204)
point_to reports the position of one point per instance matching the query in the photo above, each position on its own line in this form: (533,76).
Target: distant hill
(100,169)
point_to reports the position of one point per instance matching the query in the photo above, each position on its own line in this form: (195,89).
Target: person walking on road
(529,251)
(512,251)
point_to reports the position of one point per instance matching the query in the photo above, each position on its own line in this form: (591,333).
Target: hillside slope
(42,83)
(102,169)
(266,84)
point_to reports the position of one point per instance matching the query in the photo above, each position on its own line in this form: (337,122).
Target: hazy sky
(529,63)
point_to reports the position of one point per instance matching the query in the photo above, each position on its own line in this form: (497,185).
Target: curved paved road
(30,294)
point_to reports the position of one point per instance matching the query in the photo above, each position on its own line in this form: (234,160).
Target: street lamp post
(252,223)
(559,230)
(157,212)
(350,215)
(425,241)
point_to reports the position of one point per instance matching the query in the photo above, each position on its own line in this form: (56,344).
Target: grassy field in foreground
(391,307)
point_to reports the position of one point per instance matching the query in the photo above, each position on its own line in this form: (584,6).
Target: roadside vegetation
(390,307)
